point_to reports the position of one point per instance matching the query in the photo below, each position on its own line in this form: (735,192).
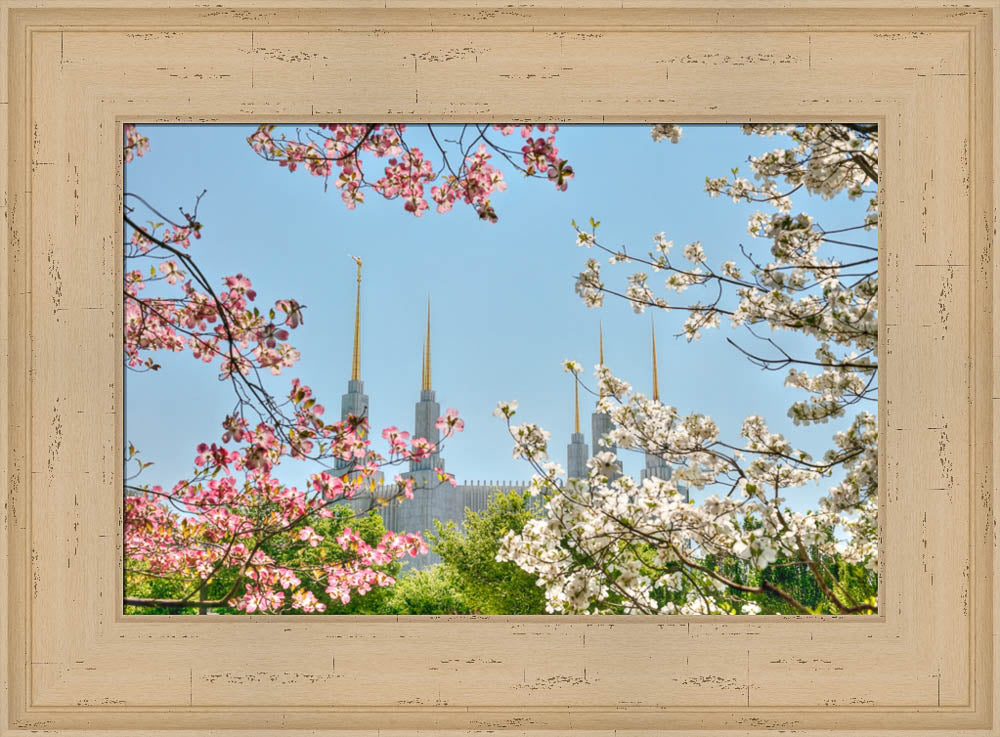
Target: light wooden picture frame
(72,663)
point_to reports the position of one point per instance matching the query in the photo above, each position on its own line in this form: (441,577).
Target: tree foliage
(427,591)
(469,554)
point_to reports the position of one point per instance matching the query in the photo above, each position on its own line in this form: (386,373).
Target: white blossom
(609,543)
(505,409)
(668,131)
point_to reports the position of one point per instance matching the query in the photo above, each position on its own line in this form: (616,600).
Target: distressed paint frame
(72,664)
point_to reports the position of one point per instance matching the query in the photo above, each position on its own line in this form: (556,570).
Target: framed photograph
(465,368)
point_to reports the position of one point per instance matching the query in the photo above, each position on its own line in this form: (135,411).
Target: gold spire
(656,383)
(426,382)
(576,405)
(356,361)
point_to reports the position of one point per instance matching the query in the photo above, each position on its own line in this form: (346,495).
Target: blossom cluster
(135,144)
(215,522)
(344,151)
(211,324)
(599,542)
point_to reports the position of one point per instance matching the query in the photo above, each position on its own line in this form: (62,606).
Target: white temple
(437,500)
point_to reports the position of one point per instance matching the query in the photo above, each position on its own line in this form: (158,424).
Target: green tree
(850,582)
(140,583)
(431,590)
(469,554)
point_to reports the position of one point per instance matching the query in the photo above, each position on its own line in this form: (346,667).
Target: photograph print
(501,369)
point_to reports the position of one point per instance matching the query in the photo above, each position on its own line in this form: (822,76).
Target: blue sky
(504,312)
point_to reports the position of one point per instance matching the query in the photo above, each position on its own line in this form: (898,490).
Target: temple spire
(424,470)
(600,422)
(656,383)
(576,405)
(426,378)
(576,451)
(356,360)
(354,402)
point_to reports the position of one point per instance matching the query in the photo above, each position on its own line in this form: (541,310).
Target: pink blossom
(306,601)
(309,535)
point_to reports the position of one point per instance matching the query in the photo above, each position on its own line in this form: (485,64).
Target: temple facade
(437,500)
